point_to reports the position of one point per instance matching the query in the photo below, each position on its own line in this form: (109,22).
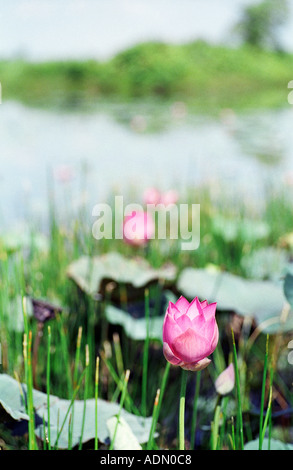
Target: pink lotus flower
(169,197)
(138,228)
(152,196)
(64,173)
(226,380)
(190,333)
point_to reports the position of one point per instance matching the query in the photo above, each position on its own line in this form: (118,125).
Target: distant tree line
(260,23)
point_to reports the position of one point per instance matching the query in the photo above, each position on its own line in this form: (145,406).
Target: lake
(133,146)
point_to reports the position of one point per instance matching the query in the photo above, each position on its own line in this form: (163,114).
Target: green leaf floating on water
(265,263)
(288,285)
(12,407)
(125,439)
(232,229)
(92,274)
(136,328)
(275,444)
(262,300)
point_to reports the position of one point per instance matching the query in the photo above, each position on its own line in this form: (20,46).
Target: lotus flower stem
(194,414)
(182,410)
(215,428)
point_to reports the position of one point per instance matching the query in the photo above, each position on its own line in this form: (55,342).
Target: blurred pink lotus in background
(169,197)
(190,333)
(64,173)
(178,110)
(154,196)
(138,228)
(288,178)
(226,380)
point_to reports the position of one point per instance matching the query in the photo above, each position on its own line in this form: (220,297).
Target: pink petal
(226,380)
(215,337)
(197,365)
(199,324)
(194,309)
(170,197)
(170,329)
(169,356)
(173,310)
(152,196)
(138,228)
(184,322)
(210,310)
(182,304)
(203,327)
(204,303)
(190,347)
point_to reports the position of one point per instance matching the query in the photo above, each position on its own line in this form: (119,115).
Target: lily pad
(288,285)
(265,263)
(124,437)
(275,444)
(262,300)
(13,408)
(231,229)
(12,399)
(136,327)
(139,426)
(93,274)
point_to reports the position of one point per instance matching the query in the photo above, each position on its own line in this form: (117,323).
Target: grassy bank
(208,77)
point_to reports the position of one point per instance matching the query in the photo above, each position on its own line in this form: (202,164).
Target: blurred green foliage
(210,77)
(259,24)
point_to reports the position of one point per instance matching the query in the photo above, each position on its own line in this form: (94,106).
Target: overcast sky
(49,29)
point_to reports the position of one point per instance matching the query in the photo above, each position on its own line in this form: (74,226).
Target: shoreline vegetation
(206,76)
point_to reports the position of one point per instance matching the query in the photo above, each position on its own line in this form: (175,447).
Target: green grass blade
(86,386)
(263,394)
(48,386)
(96,401)
(238,390)
(145,358)
(123,394)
